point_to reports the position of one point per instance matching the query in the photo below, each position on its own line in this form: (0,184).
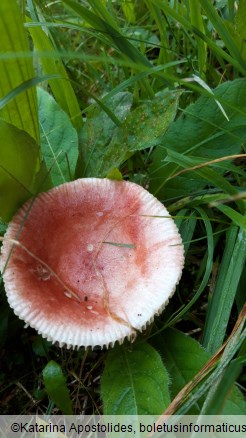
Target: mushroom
(91,262)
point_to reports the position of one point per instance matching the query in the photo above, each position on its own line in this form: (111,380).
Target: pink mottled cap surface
(96,260)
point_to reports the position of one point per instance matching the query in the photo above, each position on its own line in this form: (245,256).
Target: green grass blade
(208,268)
(211,382)
(236,217)
(218,51)
(100,10)
(178,352)
(165,54)
(29,83)
(219,392)
(196,19)
(22,110)
(61,88)
(222,30)
(223,297)
(186,226)
(115,37)
(206,173)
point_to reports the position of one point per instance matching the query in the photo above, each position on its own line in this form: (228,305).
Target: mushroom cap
(95,260)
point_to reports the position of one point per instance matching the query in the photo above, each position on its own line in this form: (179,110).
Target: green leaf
(19,167)
(59,140)
(115,174)
(184,358)
(141,129)
(201,131)
(134,381)
(52,65)
(97,133)
(55,385)
(144,126)
(22,110)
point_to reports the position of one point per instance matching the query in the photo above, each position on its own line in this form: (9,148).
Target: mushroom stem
(17,243)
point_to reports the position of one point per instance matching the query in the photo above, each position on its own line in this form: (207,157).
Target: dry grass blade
(205,371)
(208,163)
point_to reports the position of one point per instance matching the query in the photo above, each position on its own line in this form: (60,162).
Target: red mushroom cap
(95,260)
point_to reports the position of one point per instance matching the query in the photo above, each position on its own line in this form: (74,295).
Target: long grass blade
(224,293)
(218,51)
(115,37)
(222,30)
(53,65)
(22,111)
(196,19)
(29,83)
(208,268)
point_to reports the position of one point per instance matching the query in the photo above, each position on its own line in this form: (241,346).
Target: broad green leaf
(141,129)
(59,139)
(61,88)
(97,133)
(145,125)
(184,358)
(55,385)
(19,166)
(134,381)
(201,131)
(22,110)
